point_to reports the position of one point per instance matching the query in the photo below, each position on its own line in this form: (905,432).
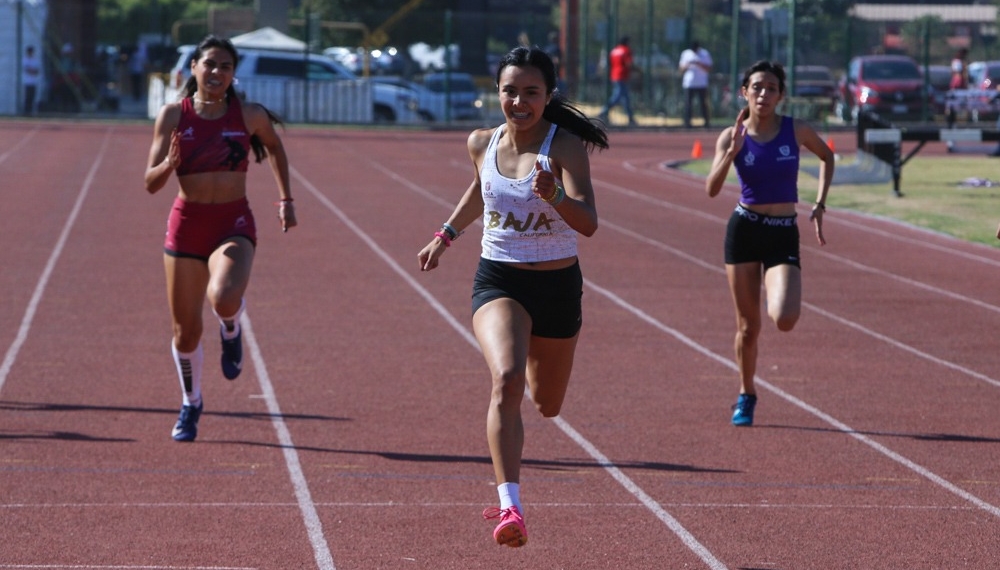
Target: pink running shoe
(511,529)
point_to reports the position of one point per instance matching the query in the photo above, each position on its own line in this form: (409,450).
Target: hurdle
(884,141)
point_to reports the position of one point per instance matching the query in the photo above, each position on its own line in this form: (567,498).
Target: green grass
(933,197)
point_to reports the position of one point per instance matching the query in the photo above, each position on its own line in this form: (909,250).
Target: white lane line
(691,212)
(438,307)
(845,322)
(314,527)
(840,259)
(122,567)
(725,361)
(907,280)
(840,426)
(451,505)
(904,347)
(36,298)
(686,537)
(949,251)
(922,471)
(675,175)
(650,503)
(21,142)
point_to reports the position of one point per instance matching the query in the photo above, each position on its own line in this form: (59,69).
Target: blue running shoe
(232,355)
(743,410)
(186,428)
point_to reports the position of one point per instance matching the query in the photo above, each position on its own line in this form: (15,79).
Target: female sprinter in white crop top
(532,191)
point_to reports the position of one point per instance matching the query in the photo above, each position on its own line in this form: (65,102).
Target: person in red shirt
(620,65)
(959,70)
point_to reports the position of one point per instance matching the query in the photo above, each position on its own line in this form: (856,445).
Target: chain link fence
(928,34)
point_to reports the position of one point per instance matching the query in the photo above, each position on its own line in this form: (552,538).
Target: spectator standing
(137,64)
(66,83)
(996,151)
(620,67)
(695,63)
(31,76)
(959,70)
(555,54)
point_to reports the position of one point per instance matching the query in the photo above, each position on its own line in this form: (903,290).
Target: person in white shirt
(31,76)
(695,63)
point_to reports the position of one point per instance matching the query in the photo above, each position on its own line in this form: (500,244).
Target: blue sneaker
(743,410)
(232,355)
(186,428)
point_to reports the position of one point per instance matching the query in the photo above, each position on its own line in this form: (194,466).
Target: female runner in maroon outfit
(206,138)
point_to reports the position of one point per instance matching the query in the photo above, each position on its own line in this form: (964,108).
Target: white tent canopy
(268,38)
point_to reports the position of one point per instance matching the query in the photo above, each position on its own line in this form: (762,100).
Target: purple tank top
(769,172)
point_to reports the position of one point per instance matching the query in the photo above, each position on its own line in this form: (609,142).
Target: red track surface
(356,437)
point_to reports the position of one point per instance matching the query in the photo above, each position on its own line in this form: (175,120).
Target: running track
(355,438)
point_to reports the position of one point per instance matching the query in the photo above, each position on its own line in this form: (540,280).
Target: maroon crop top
(213,145)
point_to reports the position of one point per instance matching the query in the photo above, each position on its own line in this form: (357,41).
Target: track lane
(382,448)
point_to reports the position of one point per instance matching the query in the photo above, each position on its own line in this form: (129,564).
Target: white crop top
(517,225)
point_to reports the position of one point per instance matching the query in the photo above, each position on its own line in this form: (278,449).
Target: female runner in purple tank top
(206,139)
(762,238)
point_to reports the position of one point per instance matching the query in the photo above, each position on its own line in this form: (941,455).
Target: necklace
(205,102)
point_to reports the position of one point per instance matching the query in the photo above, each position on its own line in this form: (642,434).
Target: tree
(120,22)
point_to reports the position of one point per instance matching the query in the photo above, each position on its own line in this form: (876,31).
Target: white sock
(234,319)
(189,365)
(510,495)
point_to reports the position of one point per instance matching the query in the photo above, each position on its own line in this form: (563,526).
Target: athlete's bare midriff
(547,265)
(213,187)
(778,210)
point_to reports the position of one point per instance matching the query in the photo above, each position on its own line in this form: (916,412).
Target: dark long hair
(771,67)
(191,87)
(559,109)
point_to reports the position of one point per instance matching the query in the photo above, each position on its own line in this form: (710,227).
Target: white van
(308,88)
(434,93)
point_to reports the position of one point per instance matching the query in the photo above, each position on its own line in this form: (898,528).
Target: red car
(891,86)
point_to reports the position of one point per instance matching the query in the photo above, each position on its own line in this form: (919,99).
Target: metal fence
(659,31)
(735,32)
(342,101)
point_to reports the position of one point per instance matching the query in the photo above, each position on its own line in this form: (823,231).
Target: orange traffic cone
(696,150)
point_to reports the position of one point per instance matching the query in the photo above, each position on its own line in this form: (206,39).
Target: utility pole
(569,42)
(689,23)
(734,55)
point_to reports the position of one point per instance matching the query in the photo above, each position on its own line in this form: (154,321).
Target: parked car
(433,94)
(351,58)
(888,85)
(984,75)
(387,61)
(939,82)
(391,103)
(459,89)
(816,82)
